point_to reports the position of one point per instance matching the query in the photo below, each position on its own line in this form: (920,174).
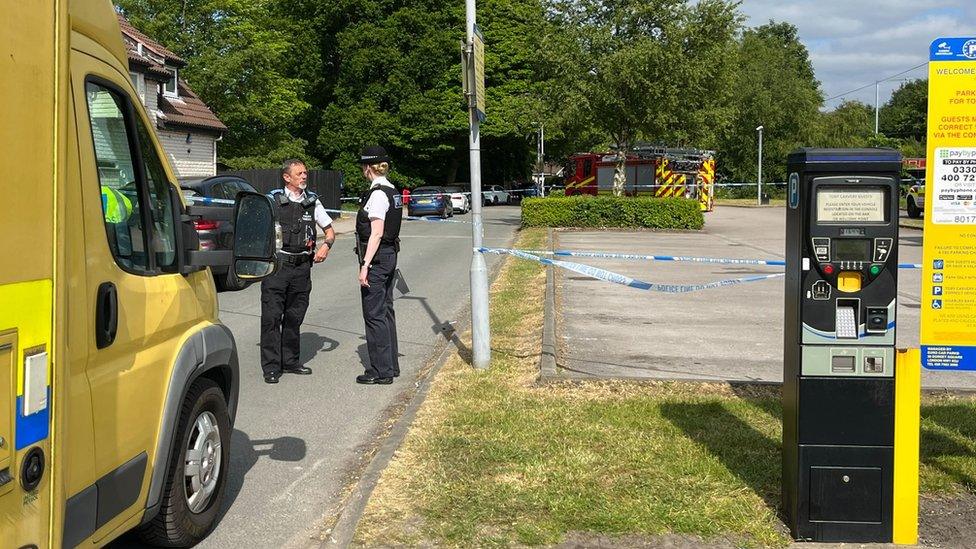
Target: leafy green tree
(905,115)
(399,84)
(776,88)
(849,125)
(236,52)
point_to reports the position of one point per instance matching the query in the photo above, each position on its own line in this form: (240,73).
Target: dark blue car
(218,235)
(426,201)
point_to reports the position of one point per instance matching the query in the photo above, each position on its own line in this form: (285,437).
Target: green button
(875,269)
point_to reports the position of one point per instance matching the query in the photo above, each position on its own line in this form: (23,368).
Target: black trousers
(378,315)
(284,300)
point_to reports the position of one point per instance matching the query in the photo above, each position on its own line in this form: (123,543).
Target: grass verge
(494,459)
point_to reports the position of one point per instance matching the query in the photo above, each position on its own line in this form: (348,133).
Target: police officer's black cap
(374,155)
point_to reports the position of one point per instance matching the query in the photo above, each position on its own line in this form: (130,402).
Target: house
(188,130)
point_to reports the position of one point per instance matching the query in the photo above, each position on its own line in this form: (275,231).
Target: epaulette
(310,199)
(280,195)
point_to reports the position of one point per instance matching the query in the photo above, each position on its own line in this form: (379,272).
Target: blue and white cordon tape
(616,278)
(718,260)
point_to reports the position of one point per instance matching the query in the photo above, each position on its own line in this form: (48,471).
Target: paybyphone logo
(947,154)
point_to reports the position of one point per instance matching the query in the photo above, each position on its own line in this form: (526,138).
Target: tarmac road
(295,444)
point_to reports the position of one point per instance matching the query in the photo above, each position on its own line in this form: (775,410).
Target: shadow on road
(313,344)
(244,453)
(446,329)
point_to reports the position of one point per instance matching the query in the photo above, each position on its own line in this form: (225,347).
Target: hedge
(611,211)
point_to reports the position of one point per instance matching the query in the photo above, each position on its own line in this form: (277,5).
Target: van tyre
(191,502)
(914,211)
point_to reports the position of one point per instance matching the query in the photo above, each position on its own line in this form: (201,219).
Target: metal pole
(542,162)
(480,331)
(877,94)
(759,174)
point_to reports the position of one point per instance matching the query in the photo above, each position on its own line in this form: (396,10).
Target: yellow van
(118,385)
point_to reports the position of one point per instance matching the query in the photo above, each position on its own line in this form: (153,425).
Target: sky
(857,42)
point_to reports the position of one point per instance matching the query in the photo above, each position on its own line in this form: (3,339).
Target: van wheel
(197,472)
(914,211)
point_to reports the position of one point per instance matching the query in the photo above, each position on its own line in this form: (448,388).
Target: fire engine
(651,171)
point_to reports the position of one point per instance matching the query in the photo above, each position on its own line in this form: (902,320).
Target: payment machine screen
(851,205)
(852,249)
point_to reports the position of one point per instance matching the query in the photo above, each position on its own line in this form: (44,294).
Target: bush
(610,211)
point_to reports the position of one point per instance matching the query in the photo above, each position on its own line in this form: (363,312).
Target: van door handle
(106,314)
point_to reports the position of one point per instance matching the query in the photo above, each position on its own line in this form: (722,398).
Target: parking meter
(839,346)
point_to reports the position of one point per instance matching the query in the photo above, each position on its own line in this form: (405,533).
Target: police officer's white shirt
(322,218)
(378,203)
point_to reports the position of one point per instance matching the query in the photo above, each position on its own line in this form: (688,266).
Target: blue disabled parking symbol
(936,303)
(938,264)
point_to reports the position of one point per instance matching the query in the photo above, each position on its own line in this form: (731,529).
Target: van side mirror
(255,253)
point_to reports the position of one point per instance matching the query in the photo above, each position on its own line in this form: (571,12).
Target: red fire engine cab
(651,171)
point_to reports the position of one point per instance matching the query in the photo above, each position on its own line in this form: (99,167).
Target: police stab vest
(391,223)
(297,220)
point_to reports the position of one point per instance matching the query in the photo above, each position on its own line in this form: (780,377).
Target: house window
(139,84)
(170,88)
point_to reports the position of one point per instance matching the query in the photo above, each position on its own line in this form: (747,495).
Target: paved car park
(728,333)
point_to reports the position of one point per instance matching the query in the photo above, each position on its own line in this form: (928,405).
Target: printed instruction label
(954,186)
(948,319)
(850,205)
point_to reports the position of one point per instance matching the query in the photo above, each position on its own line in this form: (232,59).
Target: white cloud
(855,43)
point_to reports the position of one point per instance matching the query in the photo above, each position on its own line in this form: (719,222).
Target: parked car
(430,201)
(527,190)
(494,194)
(915,201)
(459,200)
(218,235)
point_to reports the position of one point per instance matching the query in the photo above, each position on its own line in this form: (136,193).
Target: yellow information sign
(948,329)
(479,73)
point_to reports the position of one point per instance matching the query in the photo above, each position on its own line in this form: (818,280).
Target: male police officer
(284,295)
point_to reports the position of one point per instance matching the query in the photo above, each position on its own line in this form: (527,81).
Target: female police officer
(377,244)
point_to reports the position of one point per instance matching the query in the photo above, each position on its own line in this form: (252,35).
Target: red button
(828,269)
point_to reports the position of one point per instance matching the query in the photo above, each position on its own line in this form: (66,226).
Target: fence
(325,183)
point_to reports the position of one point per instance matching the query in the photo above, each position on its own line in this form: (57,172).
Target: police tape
(677,258)
(407,217)
(465,193)
(639,257)
(616,278)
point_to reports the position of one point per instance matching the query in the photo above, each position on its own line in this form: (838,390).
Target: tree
(775,87)
(849,125)
(399,84)
(905,115)
(236,51)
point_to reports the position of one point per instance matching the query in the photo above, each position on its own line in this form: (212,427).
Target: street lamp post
(480,331)
(877,100)
(759,171)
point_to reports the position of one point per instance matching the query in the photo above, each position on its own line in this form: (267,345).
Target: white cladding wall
(193,159)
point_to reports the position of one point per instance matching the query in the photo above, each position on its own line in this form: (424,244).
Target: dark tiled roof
(154,46)
(147,66)
(188,111)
